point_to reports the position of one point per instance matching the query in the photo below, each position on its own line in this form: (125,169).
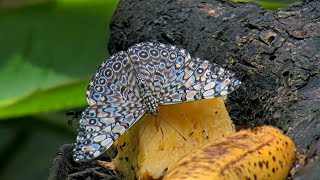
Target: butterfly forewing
(114,81)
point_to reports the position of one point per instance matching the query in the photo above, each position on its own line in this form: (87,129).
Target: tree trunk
(275,54)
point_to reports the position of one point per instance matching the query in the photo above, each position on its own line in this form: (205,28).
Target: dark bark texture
(63,167)
(275,54)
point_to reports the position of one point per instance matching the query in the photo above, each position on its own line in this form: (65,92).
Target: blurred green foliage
(48,53)
(49,50)
(271,4)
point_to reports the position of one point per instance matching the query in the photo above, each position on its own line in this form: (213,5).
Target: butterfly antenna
(173,128)
(140,135)
(160,126)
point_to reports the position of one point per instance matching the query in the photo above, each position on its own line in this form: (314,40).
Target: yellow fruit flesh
(144,151)
(262,153)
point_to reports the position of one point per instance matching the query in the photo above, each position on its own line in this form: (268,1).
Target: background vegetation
(49,50)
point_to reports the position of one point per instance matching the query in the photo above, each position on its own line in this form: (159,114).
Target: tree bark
(275,54)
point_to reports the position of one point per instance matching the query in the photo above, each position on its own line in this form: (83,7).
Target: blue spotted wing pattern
(114,107)
(176,77)
(101,125)
(136,81)
(114,81)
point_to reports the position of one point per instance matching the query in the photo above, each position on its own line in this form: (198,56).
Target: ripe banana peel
(260,153)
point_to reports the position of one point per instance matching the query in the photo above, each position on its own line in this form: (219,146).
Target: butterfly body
(147,96)
(137,81)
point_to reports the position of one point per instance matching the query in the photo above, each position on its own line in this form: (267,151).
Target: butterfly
(138,80)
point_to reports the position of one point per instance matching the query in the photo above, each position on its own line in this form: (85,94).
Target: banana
(260,153)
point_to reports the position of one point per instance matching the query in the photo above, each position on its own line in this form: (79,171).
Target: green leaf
(48,53)
(70,95)
(271,4)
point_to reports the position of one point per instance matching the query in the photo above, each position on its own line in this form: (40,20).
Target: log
(275,54)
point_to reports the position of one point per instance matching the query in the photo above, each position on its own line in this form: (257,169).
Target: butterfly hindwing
(101,125)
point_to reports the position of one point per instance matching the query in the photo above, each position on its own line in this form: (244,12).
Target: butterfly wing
(158,63)
(199,79)
(175,77)
(101,125)
(114,107)
(114,81)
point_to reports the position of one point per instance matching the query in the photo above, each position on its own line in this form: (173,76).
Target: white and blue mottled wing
(114,107)
(114,81)
(175,77)
(101,125)
(200,80)
(159,64)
